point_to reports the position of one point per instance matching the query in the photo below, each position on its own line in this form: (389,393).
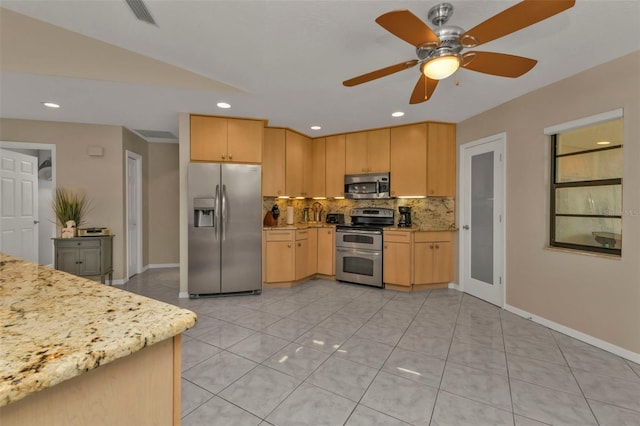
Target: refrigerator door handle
(225,215)
(216,219)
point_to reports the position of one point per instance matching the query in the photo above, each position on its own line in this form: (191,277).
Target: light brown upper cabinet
(441,160)
(367,152)
(409,160)
(335,165)
(220,139)
(297,164)
(318,168)
(273,158)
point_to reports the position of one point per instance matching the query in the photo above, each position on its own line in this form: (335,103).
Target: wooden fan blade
(423,90)
(407,26)
(515,18)
(380,73)
(499,64)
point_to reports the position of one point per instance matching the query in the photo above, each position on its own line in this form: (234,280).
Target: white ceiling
(280,60)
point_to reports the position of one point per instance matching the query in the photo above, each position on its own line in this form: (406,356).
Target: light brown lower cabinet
(397,258)
(302,254)
(326,251)
(279,256)
(433,257)
(292,255)
(417,259)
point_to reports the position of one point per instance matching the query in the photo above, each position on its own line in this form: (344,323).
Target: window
(586,188)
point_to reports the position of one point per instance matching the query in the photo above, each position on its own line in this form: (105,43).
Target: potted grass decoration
(69,206)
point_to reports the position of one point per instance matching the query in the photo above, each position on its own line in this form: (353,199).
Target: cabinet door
(326,251)
(294,163)
(397,263)
(208,138)
(355,153)
(307,167)
(422,263)
(273,163)
(442,262)
(378,149)
(441,159)
(409,160)
(67,259)
(280,261)
(312,251)
(335,165)
(318,168)
(244,141)
(90,262)
(302,257)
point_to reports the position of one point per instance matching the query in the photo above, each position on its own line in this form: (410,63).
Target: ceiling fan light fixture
(442,66)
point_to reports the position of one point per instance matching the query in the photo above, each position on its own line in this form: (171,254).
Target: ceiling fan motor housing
(448,36)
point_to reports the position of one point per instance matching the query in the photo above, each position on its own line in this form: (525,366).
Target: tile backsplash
(436,212)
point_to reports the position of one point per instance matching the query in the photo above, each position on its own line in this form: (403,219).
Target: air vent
(140,10)
(156,134)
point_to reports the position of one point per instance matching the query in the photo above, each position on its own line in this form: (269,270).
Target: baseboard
(609,347)
(454,286)
(162,265)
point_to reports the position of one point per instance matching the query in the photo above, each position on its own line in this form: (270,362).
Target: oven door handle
(358,231)
(361,252)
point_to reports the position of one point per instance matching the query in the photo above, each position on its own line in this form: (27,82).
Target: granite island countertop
(56,326)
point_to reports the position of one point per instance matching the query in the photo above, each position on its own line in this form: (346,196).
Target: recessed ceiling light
(397,114)
(316,127)
(50,105)
(603,143)
(223,105)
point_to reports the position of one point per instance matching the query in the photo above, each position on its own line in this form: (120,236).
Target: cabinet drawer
(280,235)
(78,244)
(302,234)
(397,237)
(428,237)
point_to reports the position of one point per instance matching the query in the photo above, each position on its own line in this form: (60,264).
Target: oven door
(359,266)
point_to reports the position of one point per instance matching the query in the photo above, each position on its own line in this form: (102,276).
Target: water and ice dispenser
(203,212)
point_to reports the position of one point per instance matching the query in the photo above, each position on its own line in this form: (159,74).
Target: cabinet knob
(329,232)
(230,157)
(431,246)
(223,156)
(299,244)
(386,246)
(437,246)
(289,245)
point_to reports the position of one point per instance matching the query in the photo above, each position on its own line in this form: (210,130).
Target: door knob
(35,222)
(465,227)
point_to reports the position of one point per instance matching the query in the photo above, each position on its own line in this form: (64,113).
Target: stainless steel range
(359,246)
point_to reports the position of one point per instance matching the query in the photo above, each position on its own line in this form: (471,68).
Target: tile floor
(327,353)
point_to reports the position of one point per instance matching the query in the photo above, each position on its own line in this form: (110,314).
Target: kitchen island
(74,351)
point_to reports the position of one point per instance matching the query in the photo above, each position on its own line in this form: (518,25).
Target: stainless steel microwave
(367,186)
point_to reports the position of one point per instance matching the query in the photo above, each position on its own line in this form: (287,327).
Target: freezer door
(241,212)
(204,230)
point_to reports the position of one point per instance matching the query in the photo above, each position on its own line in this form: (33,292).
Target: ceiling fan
(439,51)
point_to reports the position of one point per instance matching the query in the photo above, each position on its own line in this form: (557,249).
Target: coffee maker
(405,217)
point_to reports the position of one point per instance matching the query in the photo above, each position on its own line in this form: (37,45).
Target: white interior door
(19,211)
(482,219)
(134,214)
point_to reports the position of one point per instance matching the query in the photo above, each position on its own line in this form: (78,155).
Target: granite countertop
(56,326)
(300,226)
(421,228)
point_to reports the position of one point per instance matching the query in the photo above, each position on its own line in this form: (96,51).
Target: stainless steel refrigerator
(225,229)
